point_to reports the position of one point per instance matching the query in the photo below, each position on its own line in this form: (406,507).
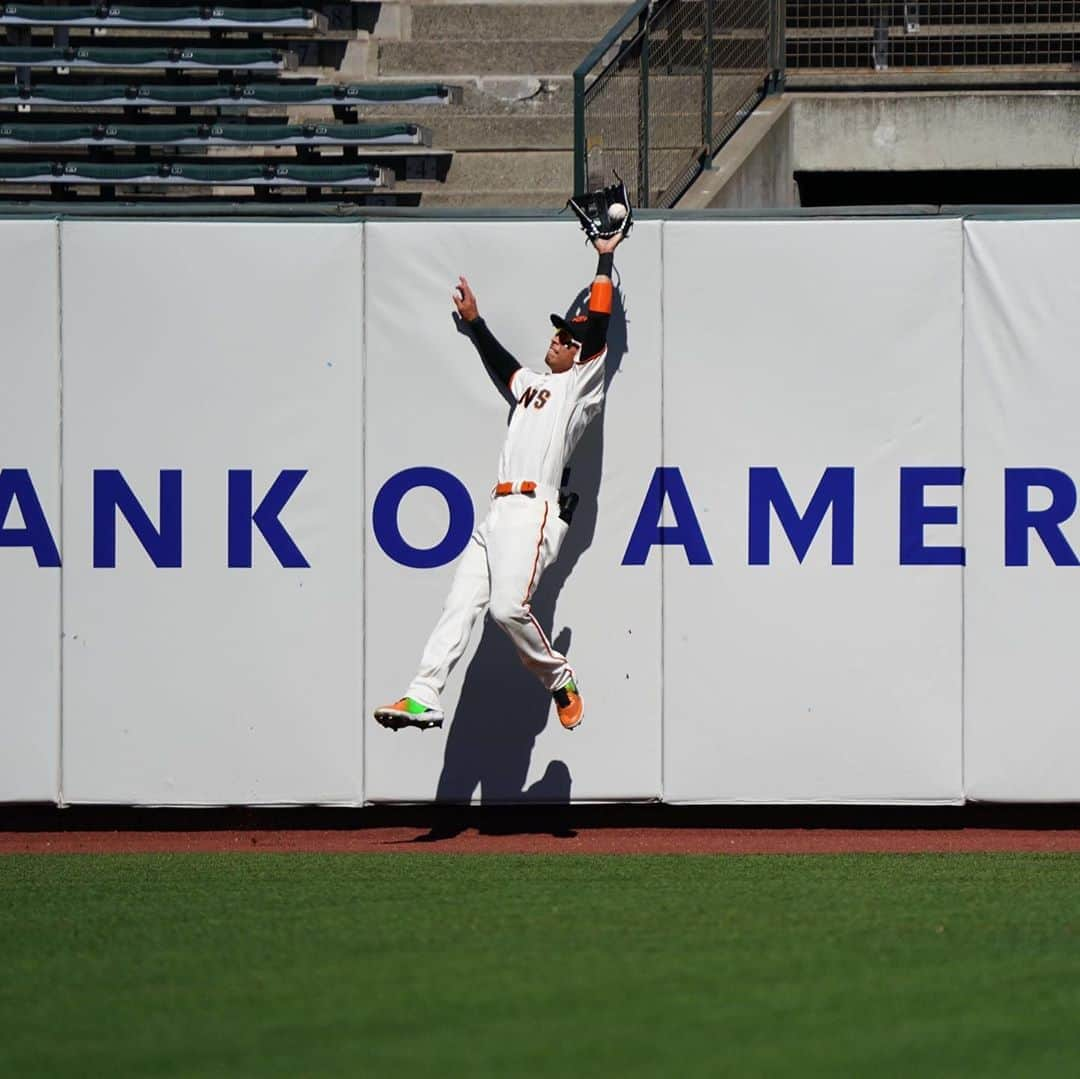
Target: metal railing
(889,34)
(666,87)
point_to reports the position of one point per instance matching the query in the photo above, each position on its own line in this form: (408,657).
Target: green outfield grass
(550,966)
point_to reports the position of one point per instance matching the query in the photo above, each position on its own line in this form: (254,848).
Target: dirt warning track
(405,840)
(641,829)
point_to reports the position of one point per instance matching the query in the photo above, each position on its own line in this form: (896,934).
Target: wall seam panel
(60,497)
(363,508)
(663,559)
(963,508)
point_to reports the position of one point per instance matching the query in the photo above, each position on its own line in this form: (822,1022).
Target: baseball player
(523,531)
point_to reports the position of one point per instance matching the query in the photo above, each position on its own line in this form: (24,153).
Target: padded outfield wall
(822,554)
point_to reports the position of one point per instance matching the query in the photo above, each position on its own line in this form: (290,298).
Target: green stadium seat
(185,96)
(214,135)
(234,94)
(164,59)
(365,93)
(173,174)
(138,15)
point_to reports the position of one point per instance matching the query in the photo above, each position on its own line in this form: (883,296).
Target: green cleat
(408,713)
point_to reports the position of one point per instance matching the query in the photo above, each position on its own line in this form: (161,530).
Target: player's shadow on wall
(503,708)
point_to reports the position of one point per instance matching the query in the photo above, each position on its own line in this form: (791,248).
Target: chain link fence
(887,34)
(666,87)
(673,79)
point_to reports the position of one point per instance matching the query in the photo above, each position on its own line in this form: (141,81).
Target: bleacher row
(122,100)
(875,35)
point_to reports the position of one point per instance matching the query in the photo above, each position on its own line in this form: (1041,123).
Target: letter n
(112,495)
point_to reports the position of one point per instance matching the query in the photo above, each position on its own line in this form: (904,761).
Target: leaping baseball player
(523,530)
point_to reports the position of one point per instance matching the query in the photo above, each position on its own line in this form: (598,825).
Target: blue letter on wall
(836,490)
(16,486)
(915,515)
(265,518)
(384,517)
(649,533)
(112,494)
(1019,518)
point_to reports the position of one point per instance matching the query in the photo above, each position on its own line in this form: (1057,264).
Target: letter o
(384,517)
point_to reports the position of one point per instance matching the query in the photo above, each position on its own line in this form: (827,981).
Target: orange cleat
(408,713)
(569,704)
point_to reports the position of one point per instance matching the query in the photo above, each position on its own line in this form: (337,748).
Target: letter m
(836,492)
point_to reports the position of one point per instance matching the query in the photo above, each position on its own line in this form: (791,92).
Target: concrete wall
(916,131)
(842,132)
(754,168)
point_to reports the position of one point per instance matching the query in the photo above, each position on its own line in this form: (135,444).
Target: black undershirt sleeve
(600,292)
(492,353)
(595,334)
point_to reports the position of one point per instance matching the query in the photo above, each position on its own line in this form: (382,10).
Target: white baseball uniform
(522,532)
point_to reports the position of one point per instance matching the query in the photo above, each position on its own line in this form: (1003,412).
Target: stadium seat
(138,15)
(213,135)
(180,88)
(179,174)
(162,59)
(232,94)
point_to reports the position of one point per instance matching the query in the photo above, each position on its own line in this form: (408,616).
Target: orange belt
(525,487)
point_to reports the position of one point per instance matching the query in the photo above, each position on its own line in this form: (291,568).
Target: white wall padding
(802,346)
(826,550)
(210,348)
(1022,399)
(30,485)
(430,404)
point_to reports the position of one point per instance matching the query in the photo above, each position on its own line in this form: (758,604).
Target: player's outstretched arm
(607,246)
(600,298)
(493,354)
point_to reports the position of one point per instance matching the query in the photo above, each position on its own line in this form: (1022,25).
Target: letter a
(649,532)
(16,486)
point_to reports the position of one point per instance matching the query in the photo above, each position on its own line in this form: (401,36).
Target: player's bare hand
(465,301)
(604,246)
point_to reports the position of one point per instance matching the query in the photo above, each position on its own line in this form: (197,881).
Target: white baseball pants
(500,569)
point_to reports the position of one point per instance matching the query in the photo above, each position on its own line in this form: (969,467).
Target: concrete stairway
(512,133)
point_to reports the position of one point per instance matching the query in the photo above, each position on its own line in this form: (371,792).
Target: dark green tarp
(158,134)
(57,13)
(256,92)
(110,173)
(226,58)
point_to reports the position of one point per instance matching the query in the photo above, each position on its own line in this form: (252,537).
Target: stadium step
(473,39)
(518,57)
(483,177)
(513,22)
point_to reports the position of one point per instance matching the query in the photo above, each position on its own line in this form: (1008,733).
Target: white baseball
(616,211)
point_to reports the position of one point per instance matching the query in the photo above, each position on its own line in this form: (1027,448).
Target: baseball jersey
(552,409)
(549,419)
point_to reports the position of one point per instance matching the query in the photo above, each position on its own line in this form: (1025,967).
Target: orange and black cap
(575,326)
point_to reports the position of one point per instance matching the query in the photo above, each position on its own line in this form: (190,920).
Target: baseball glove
(604,213)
